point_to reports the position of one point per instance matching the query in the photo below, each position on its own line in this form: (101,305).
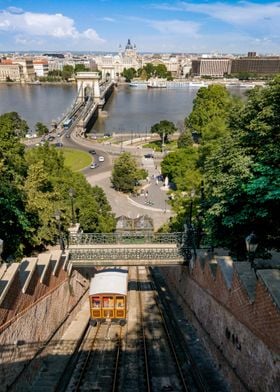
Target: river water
(129,109)
(44,103)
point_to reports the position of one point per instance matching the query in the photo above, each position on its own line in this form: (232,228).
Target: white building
(41,68)
(17,69)
(113,65)
(11,72)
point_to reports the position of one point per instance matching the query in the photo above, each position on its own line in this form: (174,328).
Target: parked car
(30,135)
(101,158)
(147,156)
(58,144)
(51,138)
(92,152)
(94,165)
(107,134)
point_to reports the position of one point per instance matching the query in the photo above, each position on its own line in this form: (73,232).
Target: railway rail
(150,353)
(98,361)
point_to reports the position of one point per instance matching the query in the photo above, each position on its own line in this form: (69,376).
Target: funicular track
(96,367)
(163,368)
(150,353)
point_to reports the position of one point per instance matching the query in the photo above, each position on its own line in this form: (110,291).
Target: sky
(153,26)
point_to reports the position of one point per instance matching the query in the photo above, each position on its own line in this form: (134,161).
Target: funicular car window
(108,302)
(95,302)
(119,302)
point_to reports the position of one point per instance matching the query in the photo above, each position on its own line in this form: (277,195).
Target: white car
(101,158)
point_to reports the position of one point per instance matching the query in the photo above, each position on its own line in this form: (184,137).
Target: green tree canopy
(67,72)
(126,173)
(80,68)
(242,175)
(41,129)
(129,74)
(210,104)
(164,128)
(185,139)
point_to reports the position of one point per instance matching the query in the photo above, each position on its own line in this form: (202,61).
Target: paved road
(122,204)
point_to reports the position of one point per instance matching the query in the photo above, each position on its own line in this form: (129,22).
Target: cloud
(175,27)
(108,19)
(29,24)
(240,14)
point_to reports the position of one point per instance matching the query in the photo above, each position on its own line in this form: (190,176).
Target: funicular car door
(108,306)
(95,307)
(120,307)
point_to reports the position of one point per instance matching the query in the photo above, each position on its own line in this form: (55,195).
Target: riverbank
(38,84)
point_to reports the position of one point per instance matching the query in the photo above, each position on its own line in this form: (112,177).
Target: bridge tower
(87,84)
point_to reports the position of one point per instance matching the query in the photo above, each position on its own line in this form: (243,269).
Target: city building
(113,65)
(41,67)
(256,64)
(18,70)
(214,67)
(10,72)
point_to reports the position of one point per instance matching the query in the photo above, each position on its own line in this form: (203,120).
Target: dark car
(59,144)
(92,152)
(148,156)
(107,134)
(51,138)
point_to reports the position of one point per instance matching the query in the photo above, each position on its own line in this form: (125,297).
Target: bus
(67,123)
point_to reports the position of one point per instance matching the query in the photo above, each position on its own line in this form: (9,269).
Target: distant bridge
(117,249)
(92,94)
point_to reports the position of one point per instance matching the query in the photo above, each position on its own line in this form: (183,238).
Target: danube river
(128,109)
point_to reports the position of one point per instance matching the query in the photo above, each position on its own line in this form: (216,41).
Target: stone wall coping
(8,277)
(226,266)
(271,280)
(44,260)
(56,255)
(32,264)
(3,269)
(67,254)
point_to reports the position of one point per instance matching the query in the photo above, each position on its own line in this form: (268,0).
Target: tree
(15,224)
(126,174)
(242,175)
(41,129)
(67,72)
(150,70)
(129,74)
(13,122)
(80,68)
(211,103)
(185,139)
(164,128)
(47,189)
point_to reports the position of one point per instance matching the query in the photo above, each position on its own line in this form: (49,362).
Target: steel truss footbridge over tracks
(118,249)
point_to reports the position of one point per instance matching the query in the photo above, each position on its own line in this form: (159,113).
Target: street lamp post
(72,195)
(57,216)
(251,247)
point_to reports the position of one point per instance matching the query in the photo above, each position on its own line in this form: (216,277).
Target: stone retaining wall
(243,358)
(25,334)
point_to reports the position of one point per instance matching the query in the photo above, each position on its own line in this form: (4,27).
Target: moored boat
(157,83)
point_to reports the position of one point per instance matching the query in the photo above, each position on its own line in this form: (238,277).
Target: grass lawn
(157,146)
(76,159)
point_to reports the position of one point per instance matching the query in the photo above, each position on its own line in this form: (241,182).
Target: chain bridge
(92,94)
(133,249)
